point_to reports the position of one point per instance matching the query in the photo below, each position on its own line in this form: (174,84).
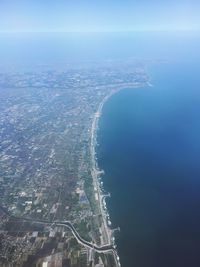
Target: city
(48,169)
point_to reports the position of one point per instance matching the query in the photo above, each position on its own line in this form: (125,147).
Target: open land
(53,210)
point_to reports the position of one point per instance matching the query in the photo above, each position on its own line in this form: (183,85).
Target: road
(68,224)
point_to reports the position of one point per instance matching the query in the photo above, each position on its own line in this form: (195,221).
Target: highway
(100,249)
(67,224)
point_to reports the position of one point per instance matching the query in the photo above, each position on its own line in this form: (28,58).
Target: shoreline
(107,234)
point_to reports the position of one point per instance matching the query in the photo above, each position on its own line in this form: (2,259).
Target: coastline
(107,234)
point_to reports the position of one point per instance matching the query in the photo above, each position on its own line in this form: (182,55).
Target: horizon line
(104,31)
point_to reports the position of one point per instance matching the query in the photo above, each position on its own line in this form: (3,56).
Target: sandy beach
(106,232)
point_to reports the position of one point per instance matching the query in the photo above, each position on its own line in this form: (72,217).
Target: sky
(98,15)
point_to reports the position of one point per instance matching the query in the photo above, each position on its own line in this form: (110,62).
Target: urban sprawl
(52,202)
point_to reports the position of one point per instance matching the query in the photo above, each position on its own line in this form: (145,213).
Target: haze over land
(60,63)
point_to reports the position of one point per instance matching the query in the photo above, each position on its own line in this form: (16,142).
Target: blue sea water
(149,147)
(149,138)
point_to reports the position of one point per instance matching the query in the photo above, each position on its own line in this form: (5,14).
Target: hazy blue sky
(99,15)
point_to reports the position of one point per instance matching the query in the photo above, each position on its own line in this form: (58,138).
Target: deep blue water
(149,138)
(149,147)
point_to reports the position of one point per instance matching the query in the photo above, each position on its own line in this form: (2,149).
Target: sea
(148,138)
(149,148)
